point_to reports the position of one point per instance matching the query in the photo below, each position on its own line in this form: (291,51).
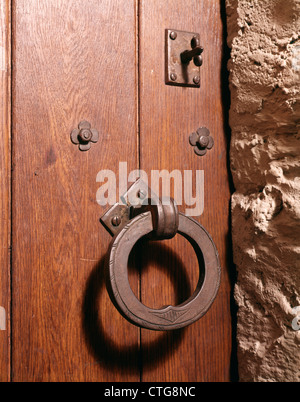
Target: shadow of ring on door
(114,356)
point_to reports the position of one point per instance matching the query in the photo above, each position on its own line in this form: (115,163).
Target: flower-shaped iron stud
(84,135)
(201,141)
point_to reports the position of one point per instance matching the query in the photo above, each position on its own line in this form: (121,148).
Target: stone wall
(264,37)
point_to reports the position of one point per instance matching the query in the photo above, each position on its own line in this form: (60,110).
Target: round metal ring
(171,317)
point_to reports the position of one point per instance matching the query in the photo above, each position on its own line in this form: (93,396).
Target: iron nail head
(196,80)
(173,35)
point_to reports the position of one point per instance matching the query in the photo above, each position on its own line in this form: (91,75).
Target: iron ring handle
(167,318)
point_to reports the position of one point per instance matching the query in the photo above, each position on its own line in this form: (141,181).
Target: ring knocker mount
(142,214)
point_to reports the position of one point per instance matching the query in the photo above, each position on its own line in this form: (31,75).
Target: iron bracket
(183,58)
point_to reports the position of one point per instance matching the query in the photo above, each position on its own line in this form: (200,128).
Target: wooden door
(103,61)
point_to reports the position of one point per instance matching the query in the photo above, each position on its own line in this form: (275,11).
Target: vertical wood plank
(168,116)
(74,60)
(5,167)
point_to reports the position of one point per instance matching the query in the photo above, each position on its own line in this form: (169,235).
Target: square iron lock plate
(183,58)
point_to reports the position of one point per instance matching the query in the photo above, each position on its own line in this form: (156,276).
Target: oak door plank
(5,196)
(74,60)
(168,116)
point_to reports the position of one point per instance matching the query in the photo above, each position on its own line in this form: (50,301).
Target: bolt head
(203,141)
(142,194)
(85,135)
(116,221)
(173,77)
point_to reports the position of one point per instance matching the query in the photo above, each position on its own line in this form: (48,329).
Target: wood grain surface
(103,61)
(168,116)
(74,60)
(5,168)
